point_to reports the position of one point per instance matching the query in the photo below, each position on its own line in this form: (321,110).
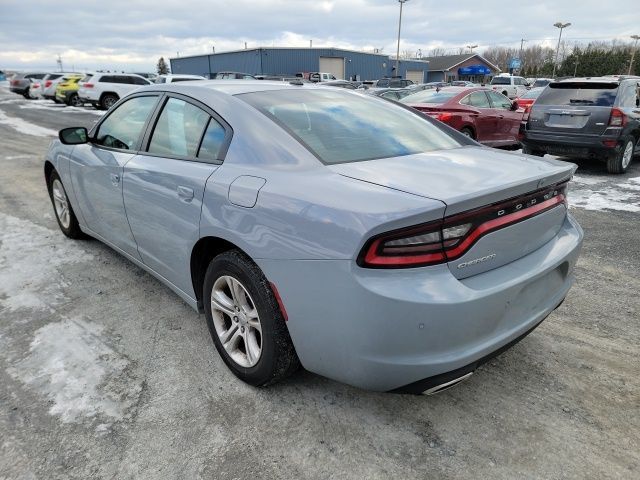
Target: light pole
(402,2)
(633,52)
(471,47)
(559,25)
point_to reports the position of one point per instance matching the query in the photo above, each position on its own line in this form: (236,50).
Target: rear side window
(123,127)
(212,141)
(107,79)
(476,99)
(600,94)
(178,130)
(430,96)
(338,127)
(139,81)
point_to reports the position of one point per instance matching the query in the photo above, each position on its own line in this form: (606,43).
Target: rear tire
(621,159)
(468,132)
(74,101)
(262,330)
(108,100)
(62,209)
(26,94)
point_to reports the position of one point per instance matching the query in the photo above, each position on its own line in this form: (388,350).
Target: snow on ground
(58,107)
(80,374)
(25,127)
(600,193)
(30,259)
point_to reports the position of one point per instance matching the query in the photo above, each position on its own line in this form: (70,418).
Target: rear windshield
(430,96)
(183,79)
(600,94)
(339,127)
(533,93)
(501,81)
(87,78)
(541,83)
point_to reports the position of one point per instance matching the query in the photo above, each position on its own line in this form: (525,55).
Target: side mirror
(514,105)
(73,135)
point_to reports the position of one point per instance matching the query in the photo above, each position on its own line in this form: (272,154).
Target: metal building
(344,64)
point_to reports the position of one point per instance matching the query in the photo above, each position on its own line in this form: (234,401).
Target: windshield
(430,96)
(338,127)
(501,81)
(601,94)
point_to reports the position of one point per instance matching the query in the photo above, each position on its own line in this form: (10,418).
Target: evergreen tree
(162,67)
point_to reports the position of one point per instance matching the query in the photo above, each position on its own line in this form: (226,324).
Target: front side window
(178,130)
(338,127)
(123,127)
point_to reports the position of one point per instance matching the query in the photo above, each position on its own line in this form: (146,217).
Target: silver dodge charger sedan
(316,226)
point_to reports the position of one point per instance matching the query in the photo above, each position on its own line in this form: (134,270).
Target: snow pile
(80,375)
(30,259)
(22,126)
(623,196)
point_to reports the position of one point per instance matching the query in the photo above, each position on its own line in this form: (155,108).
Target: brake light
(444,116)
(445,240)
(87,85)
(617,118)
(47,84)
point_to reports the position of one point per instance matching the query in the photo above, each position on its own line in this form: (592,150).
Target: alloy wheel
(236,321)
(61,203)
(627,155)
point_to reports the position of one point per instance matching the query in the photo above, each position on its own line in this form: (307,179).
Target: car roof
(590,80)
(230,87)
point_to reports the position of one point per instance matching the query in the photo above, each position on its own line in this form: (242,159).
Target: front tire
(620,160)
(245,321)
(467,132)
(64,213)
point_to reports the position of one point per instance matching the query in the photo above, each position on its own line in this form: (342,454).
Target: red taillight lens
(444,117)
(47,84)
(87,85)
(617,118)
(14,82)
(448,239)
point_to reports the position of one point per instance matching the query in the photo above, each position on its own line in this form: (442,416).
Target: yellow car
(67,90)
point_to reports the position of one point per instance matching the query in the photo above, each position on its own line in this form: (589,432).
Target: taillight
(87,85)
(445,240)
(47,84)
(617,118)
(444,116)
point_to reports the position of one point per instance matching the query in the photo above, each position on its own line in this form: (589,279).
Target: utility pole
(402,2)
(310,43)
(59,62)
(561,26)
(471,47)
(633,52)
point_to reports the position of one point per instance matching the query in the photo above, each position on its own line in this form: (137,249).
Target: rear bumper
(20,90)
(384,330)
(571,144)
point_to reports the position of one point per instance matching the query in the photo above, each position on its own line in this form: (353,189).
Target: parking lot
(106,373)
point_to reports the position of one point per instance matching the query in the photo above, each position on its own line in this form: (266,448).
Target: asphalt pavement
(105,373)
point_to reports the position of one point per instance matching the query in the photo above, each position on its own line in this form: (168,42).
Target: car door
(97,169)
(164,186)
(485,120)
(507,120)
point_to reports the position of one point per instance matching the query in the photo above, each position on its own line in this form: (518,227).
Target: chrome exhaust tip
(447,385)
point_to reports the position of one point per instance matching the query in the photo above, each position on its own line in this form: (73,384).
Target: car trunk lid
(469,180)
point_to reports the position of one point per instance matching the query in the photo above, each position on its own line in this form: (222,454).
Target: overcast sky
(132,34)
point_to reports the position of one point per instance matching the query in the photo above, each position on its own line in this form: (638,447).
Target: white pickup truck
(509,85)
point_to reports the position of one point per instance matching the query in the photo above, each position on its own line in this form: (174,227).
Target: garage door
(417,76)
(333,65)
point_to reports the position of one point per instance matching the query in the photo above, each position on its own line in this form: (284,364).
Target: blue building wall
(289,61)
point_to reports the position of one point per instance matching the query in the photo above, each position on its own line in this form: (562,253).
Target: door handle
(115,179)
(185,193)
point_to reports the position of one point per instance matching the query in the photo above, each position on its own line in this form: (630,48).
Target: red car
(487,116)
(528,99)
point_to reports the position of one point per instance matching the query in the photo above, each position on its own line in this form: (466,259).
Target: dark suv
(587,117)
